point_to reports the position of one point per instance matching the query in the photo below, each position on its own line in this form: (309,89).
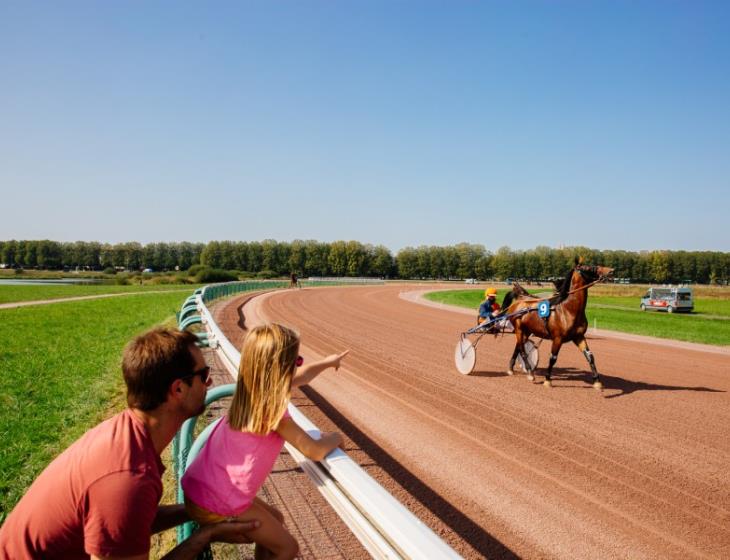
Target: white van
(669,299)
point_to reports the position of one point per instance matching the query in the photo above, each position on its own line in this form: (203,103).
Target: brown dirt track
(504,468)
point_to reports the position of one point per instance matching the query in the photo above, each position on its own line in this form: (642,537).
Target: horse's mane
(518,290)
(565,288)
(562,288)
(515,293)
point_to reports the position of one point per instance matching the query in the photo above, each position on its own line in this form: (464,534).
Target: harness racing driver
(489,307)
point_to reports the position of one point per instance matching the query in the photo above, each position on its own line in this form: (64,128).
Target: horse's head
(594,273)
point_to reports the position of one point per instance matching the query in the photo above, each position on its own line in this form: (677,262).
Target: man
(100,497)
(489,307)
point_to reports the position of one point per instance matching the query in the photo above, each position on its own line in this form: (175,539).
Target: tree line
(352,258)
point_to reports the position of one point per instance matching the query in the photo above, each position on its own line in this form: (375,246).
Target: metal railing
(385,527)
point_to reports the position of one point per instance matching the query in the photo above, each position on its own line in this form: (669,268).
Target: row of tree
(92,255)
(473,261)
(352,258)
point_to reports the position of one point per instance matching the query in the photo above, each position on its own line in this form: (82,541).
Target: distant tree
(49,254)
(132,255)
(337,258)
(436,263)
(382,262)
(9,252)
(227,255)
(483,267)
(240,255)
(357,259)
(31,254)
(211,255)
(316,262)
(407,263)
(148,257)
(269,255)
(255,257)
(451,262)
(660,269)
(503,263)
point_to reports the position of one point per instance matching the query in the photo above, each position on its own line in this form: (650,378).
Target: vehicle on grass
(668,298)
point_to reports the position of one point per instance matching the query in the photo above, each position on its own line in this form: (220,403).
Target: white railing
(344,280)
(382,524)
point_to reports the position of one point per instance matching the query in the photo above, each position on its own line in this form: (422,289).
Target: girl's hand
(333,360)
(332,439)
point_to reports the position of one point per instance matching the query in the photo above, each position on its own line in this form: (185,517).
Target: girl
(222,482)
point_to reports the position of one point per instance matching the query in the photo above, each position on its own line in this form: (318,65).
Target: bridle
(582,269)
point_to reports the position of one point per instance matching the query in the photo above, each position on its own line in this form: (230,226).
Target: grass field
(709,324)
(60,375)
(10,294)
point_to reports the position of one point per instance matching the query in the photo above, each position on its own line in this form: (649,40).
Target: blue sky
(605,124)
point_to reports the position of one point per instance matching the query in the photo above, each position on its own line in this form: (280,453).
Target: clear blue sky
(605,124)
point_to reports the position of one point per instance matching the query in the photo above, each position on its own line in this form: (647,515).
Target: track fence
(385,527)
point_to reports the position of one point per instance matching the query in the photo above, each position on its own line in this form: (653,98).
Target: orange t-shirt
(99,497)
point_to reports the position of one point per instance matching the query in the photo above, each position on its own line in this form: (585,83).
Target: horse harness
(554,303)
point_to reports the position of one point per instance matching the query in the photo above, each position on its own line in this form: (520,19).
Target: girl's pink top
(228,472)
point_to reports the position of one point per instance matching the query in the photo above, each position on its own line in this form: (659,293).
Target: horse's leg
(583,347)
(530,370)
(554,349)
(513,359)
(520,349)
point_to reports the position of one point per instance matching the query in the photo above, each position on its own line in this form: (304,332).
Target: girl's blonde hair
(268,361)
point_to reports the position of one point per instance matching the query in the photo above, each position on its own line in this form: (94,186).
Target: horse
(566,322)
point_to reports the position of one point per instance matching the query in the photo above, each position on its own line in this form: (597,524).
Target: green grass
(9,294)
(710,324)
(60,375)
(677,326)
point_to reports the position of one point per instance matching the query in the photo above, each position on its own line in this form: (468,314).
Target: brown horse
(566,322)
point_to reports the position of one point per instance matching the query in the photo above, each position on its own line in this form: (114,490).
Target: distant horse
(566,322)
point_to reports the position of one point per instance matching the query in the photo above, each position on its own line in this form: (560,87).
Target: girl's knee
(290,549)
(276,513)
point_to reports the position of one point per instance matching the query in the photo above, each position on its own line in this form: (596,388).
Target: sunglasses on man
(204,374)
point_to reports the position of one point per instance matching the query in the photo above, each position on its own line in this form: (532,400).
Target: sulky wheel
(464,356)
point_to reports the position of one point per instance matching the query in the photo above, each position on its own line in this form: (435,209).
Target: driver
(489,307)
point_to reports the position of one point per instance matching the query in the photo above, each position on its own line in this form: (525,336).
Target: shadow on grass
(460,524)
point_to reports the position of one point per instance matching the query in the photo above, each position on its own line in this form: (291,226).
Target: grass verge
(710,323)
(60,375)
(11,294)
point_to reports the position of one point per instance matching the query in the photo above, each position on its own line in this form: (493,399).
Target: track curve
(500,467)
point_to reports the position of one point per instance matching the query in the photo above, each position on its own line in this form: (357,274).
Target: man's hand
(229,532)
(234,532)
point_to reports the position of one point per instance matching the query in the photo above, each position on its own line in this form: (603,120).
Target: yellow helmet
(490,292)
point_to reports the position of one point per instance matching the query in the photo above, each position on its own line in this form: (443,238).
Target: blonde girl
(222,482)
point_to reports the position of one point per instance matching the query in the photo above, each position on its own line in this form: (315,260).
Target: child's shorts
(202,516)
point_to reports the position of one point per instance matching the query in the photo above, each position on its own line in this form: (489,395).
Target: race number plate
(543,309)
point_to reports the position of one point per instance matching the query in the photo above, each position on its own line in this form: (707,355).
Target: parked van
(668,299)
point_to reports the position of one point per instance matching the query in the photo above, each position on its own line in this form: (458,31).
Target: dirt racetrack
(501,467)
